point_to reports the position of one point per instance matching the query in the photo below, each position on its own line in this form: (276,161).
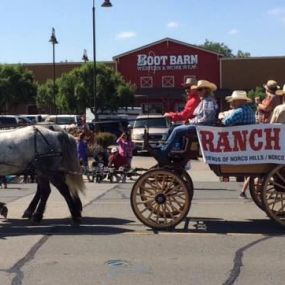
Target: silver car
(156,125)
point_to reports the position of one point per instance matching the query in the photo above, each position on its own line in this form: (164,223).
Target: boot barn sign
(147,62)
(249,144)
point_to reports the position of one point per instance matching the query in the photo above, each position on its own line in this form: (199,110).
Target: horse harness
(50,153)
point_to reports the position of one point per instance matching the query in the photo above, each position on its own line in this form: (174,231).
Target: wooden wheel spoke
(146,202)
(181,205)
(278,185)
(280,176)
(174,209)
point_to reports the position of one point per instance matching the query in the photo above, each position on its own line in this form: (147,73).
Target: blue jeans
(177,134)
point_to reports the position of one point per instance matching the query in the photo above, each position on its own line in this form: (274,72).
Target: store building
(159,69)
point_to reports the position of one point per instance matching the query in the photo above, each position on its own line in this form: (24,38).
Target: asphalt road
(224,240)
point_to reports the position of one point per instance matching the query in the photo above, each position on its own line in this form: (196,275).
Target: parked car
(64,121)
(13,121)
(35,118)
(156,125)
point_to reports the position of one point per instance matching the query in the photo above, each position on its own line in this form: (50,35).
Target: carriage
(161,198)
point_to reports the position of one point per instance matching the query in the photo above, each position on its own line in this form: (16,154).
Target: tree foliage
(17,86)
(75,90)
(257,92)
(223,49)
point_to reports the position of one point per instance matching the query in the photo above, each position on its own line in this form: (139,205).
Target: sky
(255,26)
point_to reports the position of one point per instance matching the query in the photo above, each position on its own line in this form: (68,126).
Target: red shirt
(117,160)
(190,106)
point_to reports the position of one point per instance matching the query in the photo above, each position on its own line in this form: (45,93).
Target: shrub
(105,139)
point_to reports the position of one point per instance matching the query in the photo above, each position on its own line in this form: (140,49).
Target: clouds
(172,25)
(126,35)
(278,13)
(233,32)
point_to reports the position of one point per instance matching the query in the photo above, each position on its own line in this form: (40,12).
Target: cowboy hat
(205,84)
(271,85)
(189,82)
(281,92)
(238,95)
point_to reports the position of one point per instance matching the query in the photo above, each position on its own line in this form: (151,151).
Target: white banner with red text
(248,144)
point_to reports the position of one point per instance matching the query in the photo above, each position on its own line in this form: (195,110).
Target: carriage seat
(190,150)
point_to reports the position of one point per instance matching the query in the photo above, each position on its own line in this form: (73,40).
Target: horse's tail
(70,163)
(75,184)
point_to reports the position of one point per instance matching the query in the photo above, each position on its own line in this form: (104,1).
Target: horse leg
(28,213)
(74,203)
(44,190)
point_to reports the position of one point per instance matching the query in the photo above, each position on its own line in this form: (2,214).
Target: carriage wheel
(161,199)
(273,194)
(255,189)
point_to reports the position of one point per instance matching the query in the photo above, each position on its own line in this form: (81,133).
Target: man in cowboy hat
(278,115)
(205,114)
(242,113)
(191,104)
(266,107)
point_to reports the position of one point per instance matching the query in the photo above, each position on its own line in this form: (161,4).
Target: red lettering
(272,138)
(239,140)
(207,140)
(223,142)
(252,139)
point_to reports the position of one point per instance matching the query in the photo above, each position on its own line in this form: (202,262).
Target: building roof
(162,41)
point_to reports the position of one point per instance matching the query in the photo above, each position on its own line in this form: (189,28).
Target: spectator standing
(82,150)
(126,147)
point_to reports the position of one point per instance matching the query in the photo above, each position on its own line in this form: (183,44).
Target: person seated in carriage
(241,112)
(193,101)
(204,114)
(278,115)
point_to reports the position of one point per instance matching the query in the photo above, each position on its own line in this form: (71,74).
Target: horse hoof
(4,212)
(36,218)
(27,215)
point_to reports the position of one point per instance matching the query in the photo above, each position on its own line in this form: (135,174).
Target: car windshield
(151,122)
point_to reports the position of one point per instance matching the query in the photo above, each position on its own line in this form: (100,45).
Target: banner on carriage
(248,144)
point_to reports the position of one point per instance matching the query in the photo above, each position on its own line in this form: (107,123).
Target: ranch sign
(250,144)
(147,62)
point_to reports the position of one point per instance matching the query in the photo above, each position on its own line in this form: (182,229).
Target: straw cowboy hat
(189,82)
(205,84)
(271,85)
(281,92)
(238,95)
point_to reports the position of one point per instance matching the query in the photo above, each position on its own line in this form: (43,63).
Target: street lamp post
(106,4)
(54,41)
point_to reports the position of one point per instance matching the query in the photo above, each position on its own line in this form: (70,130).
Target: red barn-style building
(159,69)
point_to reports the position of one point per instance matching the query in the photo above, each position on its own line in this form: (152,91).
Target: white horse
(53,154)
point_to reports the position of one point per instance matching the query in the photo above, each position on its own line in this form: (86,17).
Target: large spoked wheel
(255,189)
(273,194)
(161,199)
